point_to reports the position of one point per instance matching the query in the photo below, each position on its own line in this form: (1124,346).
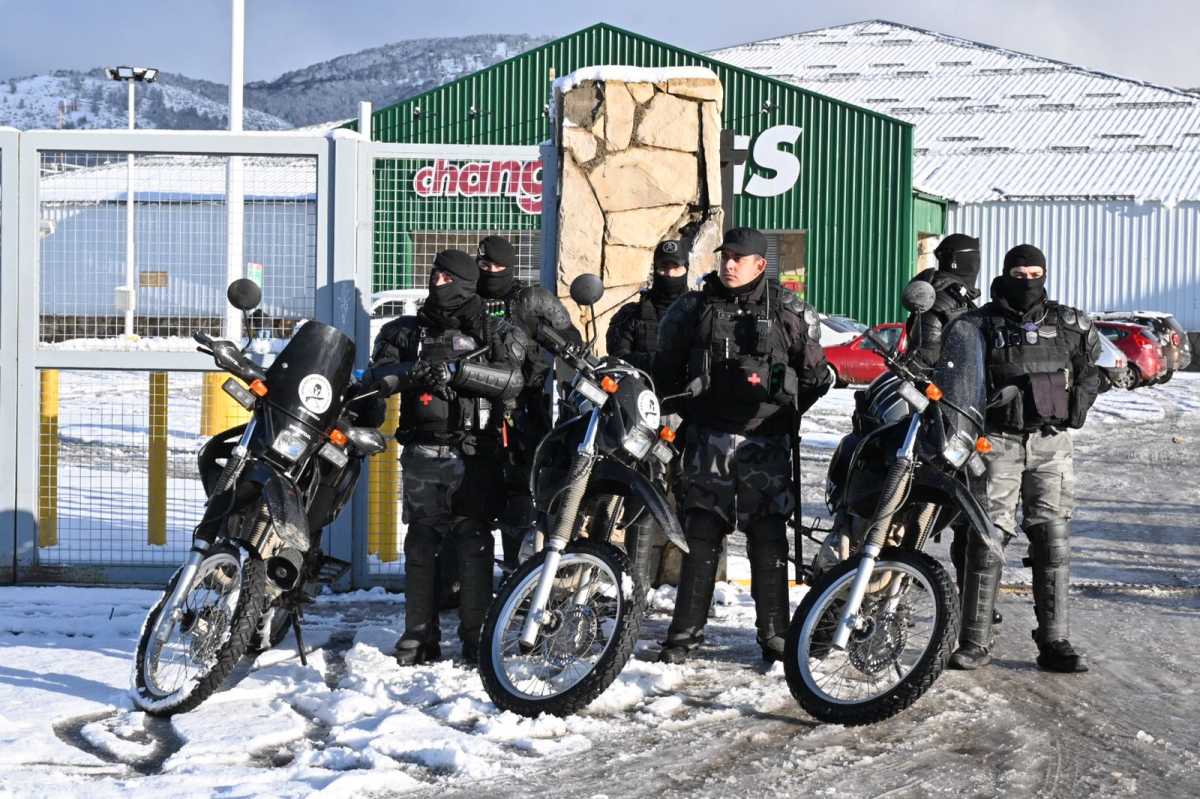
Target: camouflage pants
(1033,471)
(740,478)
(430,478)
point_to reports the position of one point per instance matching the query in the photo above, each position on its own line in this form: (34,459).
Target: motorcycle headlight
(638,442)
(590,391)
(290,443)
(976,466)
(664,452)
(959,449)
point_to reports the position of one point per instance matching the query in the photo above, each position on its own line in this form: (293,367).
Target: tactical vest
(1035,356)
(426,418)
(645,327)
(747,366)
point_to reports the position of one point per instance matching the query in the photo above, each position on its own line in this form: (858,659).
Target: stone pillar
(639,155)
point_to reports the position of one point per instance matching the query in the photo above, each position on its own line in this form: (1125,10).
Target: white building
(1101,172)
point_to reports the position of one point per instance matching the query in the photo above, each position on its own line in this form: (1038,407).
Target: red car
(1140,346)
(858,361)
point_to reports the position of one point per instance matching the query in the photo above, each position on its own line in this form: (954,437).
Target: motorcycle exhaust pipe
(284,568)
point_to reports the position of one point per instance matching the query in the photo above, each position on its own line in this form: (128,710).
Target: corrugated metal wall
(1101,256)
(854,196)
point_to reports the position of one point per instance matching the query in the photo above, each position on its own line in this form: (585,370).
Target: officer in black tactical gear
(633,333)
(750,353)
(1048,351)
(954,283)
(528,416)
(457,366)
(633,337)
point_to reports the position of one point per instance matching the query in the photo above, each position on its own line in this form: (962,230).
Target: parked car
(1140,346)
(839,330)
(859,361)
(1176,347)
(1114,366)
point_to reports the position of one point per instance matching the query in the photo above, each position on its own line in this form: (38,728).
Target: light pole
(127,295)
(234,196)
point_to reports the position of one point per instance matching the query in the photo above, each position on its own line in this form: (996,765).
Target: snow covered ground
(353,724)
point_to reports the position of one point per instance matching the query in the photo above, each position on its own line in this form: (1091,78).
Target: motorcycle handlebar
(228,357)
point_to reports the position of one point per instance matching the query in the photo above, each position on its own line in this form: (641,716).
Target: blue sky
(1151,40)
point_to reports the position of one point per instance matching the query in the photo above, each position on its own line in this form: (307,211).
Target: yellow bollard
(218,410)
(384,491)
(48,461)
(156,516)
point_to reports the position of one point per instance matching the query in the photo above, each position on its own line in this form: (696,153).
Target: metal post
(48,462)
(383,529)
(234,197)
(364,120)
(130,255)
(156,521)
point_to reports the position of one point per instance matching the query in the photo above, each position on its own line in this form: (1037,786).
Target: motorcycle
(272,484)
(565,621)
(881,617)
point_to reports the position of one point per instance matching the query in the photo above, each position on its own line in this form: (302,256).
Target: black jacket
(951,300)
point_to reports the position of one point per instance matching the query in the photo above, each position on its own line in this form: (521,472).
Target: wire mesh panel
(117,475)
(176,276)
(426,205)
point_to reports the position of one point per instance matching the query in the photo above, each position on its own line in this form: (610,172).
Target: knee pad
(767,539)
(421,544)
(472,541)
(1050,545)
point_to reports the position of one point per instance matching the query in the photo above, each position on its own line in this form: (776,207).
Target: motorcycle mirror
(587,289)
(244,294)
(1004,396)
(918,296)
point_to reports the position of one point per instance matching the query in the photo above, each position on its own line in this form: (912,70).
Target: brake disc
(208,631)
(878,645)
(576,632)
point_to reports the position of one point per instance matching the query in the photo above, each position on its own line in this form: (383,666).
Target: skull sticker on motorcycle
(316,394)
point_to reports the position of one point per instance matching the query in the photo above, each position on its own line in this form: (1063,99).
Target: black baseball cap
(498,250)
(671,251)
(744,241)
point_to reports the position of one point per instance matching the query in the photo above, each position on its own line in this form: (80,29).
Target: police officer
(455,364)
(954,281)
(1048,351)
(633,333)
(750,352)
(633,337)
(528,416)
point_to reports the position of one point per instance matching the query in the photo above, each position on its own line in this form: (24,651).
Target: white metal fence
(115,246)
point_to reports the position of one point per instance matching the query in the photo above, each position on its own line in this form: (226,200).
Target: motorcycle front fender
(959,494)
(611,477)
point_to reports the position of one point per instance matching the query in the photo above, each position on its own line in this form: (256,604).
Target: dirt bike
(881,617)
(272,485)
(565,621)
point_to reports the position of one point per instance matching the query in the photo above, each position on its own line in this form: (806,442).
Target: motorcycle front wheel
(186,652)
(905,632)
(595,612)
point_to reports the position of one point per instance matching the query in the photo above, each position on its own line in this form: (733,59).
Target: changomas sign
(772,154)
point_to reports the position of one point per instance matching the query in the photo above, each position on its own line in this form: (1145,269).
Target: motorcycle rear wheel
(892,659)
(210,632)
(576,657)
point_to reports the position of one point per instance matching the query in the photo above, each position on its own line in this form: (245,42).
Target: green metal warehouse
(831,183)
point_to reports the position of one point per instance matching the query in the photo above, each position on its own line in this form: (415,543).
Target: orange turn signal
(982,445)
(339,438)
(933,392)
(258,388)
(667,435)
(609,385)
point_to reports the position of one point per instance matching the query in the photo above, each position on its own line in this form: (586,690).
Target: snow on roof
(630,75)
(178,178)
(994,123)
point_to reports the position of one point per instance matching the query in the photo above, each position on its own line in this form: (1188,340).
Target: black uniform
(756,354)
(451,407)
(527,416)
(1048,351)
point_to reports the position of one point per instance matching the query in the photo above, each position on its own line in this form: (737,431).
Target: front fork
(895,489)
(581,471)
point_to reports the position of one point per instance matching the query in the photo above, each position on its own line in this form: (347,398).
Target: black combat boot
(1059,656)
(767,548)
(696,584)
(475,547)
(421,632)
(980,583)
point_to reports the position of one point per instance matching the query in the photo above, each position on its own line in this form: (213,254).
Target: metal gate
(421,199)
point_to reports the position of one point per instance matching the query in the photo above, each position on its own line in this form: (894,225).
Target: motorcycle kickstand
(299,638)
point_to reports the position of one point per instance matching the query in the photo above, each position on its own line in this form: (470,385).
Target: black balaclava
(958,256)
(665,289)
(1022,293)
(747,289)
(497,250)
(451,304)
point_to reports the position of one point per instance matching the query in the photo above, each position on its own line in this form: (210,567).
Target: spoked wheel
(185,652)
(904,634)
(594,613)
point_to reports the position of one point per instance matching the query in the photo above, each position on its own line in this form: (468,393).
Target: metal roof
(995,124)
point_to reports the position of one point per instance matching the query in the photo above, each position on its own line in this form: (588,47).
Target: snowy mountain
(323,92)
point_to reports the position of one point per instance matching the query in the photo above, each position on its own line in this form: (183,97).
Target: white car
(836,330)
